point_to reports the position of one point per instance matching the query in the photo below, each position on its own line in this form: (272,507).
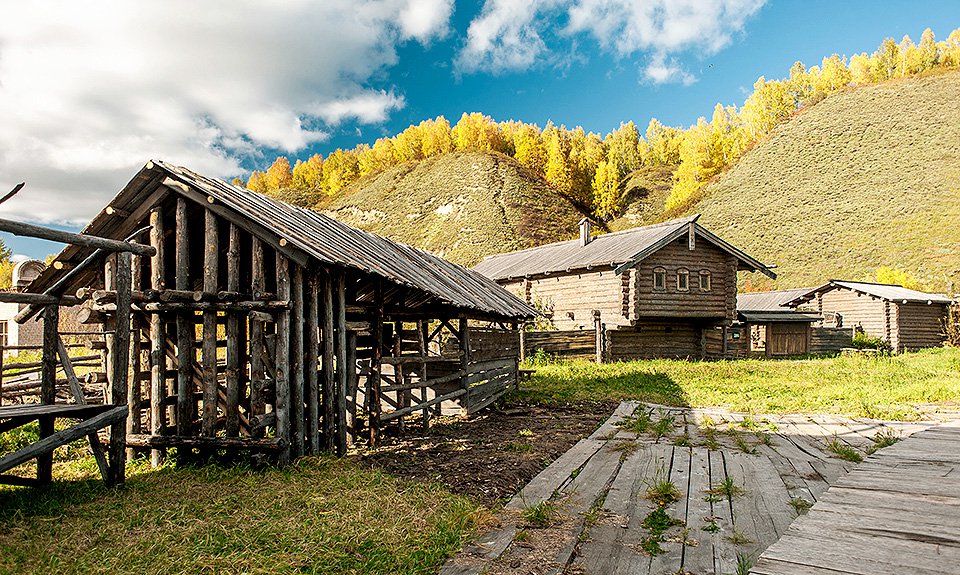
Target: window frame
(706,274)
(661,273)
(685,274)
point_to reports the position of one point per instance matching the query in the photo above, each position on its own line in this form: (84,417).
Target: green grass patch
(883,438)
(542,514)
(844,451)
(885,387)
(321,516)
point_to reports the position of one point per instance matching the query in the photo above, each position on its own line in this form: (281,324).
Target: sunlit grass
(885,387)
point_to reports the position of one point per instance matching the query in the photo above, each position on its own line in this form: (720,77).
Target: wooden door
(787,338)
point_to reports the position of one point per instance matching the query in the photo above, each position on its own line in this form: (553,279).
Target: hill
(866,178)
(461,205)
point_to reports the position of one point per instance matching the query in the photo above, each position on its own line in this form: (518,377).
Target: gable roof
(768,301)
(315,236)
(618,251)
(889,292)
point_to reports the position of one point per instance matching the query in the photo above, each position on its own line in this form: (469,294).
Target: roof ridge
(669,223)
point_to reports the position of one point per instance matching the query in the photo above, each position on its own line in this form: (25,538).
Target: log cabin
(666,290)
(260,326)
(904,318)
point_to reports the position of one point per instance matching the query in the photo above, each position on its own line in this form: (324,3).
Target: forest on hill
(592,171)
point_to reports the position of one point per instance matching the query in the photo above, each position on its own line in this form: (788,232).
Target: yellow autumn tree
(606,191)
(307,175)
(529,149)
(476,132)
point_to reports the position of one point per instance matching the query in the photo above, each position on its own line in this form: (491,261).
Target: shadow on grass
(594,382)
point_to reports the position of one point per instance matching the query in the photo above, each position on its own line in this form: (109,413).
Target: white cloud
(510,35)
(90,90)
(505,36)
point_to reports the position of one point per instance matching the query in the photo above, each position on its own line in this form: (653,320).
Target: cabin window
(3,334)
(683,280)
(659,279)
(704,280)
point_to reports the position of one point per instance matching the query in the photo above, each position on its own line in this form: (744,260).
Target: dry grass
(863,179)
(320,516)
(462,206)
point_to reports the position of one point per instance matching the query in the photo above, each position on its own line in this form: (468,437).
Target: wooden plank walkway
(740,483)
(897,512)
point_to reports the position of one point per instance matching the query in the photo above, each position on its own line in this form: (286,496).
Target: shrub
(863,341)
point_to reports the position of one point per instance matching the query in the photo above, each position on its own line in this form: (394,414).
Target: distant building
(769,328)
(906,319)
(666,290)
(12,333)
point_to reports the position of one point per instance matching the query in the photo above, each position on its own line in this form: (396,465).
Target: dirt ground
(491,455)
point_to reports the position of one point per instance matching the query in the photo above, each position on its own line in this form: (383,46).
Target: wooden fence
(828,340)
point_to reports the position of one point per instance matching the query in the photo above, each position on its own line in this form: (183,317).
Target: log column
(374,381)
(120,362)
(258,372)
(312,361)
(329,384)
(341,351)
(297,329)
(211,271)
(185,331)
(282,402)
(48,386)
(234,337)
(158,360)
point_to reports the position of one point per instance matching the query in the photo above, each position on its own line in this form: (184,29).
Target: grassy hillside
(867,178)
(645,193)
(462,206)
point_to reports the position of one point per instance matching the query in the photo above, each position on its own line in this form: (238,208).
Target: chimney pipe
(585,237)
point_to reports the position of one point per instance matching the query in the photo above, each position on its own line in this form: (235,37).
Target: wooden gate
(787,338)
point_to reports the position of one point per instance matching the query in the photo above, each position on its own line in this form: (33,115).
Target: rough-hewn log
(282,361)
(373,379)
(297,328)
(157,337)
(30,230)
(48,389)
(329,376)
(208,350)
(312,364)
(233,337)
(38,298)
(184,327)
(339,284)
(120,362)
(188,441)
(257,368)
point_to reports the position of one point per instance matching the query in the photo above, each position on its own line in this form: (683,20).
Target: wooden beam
(37,299)
(233,337)
(312,365)
(282,361)
(211,271)
(297,329)
(374,378)
(329,386)
(157,337)
(32,231)
(262,444)
(48,389)
(184,327)
(257,367)
(341,352)
(120,361)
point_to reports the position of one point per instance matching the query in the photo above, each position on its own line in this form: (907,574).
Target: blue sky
(91,91)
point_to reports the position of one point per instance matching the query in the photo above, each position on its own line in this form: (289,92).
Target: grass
(727,488)
(800,505)
(321,516)
(542,514)
(861,180)
(880,387)
(638,423)
(843,451)
(662,491)
(884,438)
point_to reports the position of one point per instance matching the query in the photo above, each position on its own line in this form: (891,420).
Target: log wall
(564,344)
(920,325)
(718,302)
(656,339)
(829,340)
(857,310)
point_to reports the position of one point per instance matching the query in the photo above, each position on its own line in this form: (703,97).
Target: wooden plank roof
(768,301)
(889,292)
(312,236)
(617,251)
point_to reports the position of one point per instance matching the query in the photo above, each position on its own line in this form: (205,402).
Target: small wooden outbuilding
(261,326)
(769,328)
(666,290)
(904,318)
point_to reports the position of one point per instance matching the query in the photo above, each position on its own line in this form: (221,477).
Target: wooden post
(329,385)
(312,364)
(282,361)
(258,371)
(598,329)
(422,346)
(48,386)
(120,361)
(297,328)
(233,337)
(158,360)
(399,376)
(208,348)
(109,283)
(341,352)
(350,365)
(523,342)
(376,328)
(464,336)
(135,393)
(185,330)
(1,371)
